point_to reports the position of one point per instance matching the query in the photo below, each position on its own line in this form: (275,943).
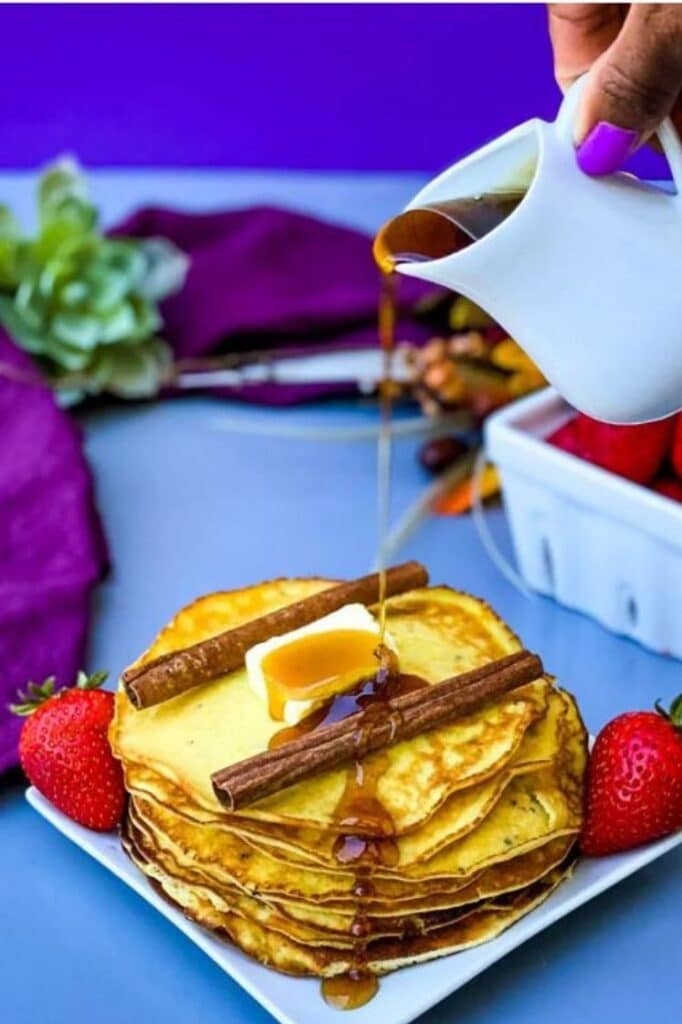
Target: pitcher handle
(667,133)
(568,111)
(672,148)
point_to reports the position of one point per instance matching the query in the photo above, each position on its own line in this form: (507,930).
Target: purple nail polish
(606,149)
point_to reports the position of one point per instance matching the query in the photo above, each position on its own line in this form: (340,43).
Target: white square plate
(403,995)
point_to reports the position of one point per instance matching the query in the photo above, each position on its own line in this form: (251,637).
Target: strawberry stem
(33,697)
(90,682)
(674,714)
(35,694)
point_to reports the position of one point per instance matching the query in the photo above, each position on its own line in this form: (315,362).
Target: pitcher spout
(435,237)
(418,236)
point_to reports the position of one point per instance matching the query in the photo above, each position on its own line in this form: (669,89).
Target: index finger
(579,34)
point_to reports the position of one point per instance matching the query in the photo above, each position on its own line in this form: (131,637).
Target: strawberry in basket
(634,452)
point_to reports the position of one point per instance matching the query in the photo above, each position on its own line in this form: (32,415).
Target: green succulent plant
(83,304)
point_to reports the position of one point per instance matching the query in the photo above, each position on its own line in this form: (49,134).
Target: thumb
(632,86)
(579,34)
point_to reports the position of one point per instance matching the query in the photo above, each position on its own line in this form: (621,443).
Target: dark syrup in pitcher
(432,232)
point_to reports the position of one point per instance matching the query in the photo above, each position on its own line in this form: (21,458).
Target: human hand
(634,53)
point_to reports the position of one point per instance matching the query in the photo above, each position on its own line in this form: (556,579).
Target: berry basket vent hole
(547,564)
(630,608)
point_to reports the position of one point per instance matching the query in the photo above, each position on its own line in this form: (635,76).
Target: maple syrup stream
(366,832)
(365,829)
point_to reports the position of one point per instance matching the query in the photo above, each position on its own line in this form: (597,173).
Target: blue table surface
(200,495)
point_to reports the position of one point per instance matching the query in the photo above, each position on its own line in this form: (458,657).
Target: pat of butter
(352,619)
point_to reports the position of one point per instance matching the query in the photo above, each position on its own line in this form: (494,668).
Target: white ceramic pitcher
(586,273)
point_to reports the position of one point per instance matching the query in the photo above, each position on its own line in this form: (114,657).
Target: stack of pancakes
(485,811)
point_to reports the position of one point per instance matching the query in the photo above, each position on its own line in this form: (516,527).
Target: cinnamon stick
(172,674)
(363,732)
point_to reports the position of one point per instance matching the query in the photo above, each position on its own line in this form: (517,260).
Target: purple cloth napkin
(266,278)
(52,548)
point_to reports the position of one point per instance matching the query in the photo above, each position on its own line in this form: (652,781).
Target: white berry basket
(595,542)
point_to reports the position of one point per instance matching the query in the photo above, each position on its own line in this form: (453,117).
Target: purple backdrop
(290,86)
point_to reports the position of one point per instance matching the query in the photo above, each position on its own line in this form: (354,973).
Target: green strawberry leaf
(90,682)
(35,694)
(675,713)
(33,697)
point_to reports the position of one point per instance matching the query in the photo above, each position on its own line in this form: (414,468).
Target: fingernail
(606,149)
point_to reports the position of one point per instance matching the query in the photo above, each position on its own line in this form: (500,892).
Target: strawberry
(676,451)
(65,751)
(634,781)
(634,452)
(669,486)
(566,438)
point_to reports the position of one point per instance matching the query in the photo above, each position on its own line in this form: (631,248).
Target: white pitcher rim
(536,126)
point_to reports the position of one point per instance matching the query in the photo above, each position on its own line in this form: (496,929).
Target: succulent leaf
(84,304)
(132,371)
(10,232)
(62,185)
(10,229)
(15,324)
(165,271)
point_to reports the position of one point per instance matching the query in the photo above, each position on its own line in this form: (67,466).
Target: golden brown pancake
(485,810)
(459,814)
(438,632)
(275,949)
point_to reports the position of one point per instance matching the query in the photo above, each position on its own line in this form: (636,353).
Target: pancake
(275,949)
(534,808)
(308,932)
(460,813)
(384,917)
(532,811)
(485,811)
(438,633)
(183,883)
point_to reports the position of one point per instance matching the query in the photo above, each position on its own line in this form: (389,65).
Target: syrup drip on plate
(350,991)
